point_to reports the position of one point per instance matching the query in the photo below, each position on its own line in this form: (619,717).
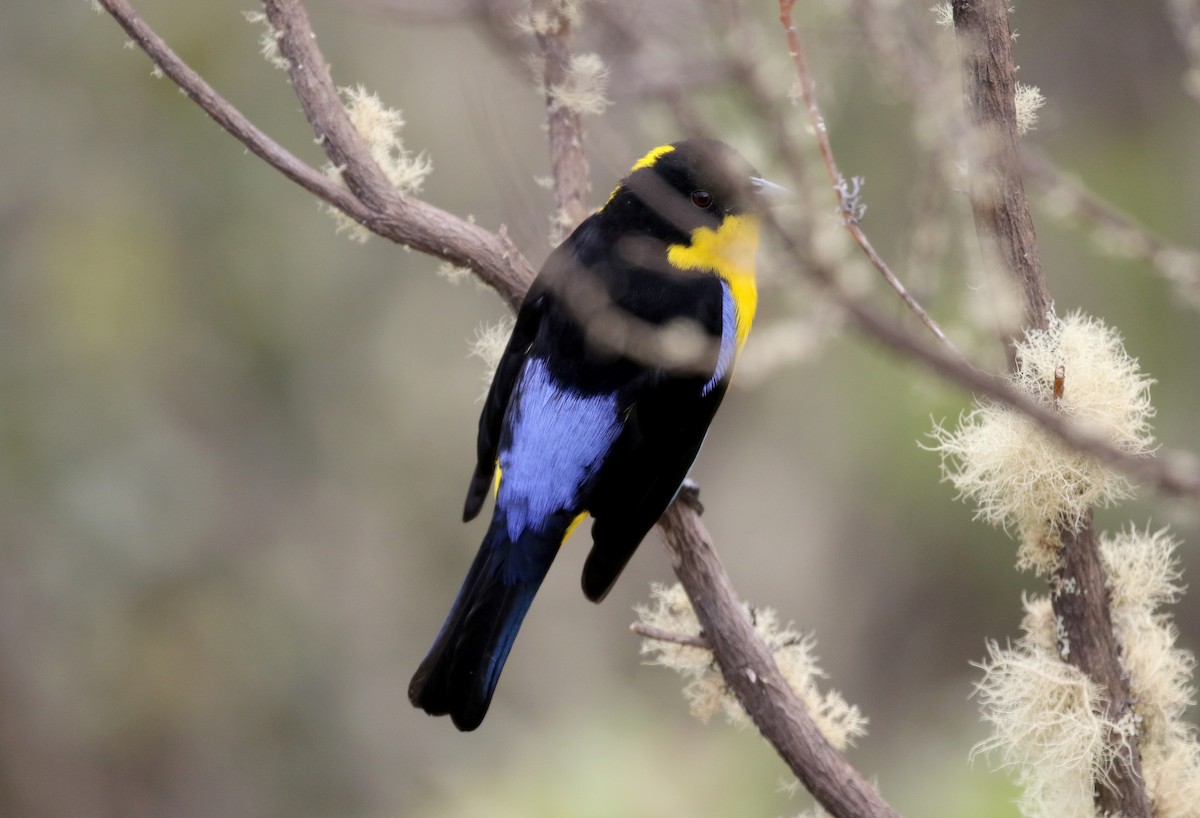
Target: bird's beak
(770,192)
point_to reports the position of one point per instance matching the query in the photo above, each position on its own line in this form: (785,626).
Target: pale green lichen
(1017,475)
(1048,718)
(707,694)
(268,40)
(1051,723)
(488,346)
(1144,575)
(380,128)
(1028,101)
(582,88)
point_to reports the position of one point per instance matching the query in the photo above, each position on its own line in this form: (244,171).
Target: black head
(675,189)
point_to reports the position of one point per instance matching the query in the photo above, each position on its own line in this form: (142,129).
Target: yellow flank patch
(729,252)
(571,528)
(496,481)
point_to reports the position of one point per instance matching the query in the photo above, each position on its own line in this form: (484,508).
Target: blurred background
(234,445)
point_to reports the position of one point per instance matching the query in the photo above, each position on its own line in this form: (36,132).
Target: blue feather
(459,675)
(554,441)
(728,349)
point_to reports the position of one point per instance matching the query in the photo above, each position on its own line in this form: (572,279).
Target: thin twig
(405,219)
(847,191)
(1002,218)
(1117,232)
(660,635)
(1173,473)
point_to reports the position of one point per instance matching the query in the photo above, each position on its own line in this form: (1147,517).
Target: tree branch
(568,161)
(750,671)
(1002,218)
(1005,227)
(322,106)
(404,219)
(1079,595)
(660,635)
(1118,231)
(847,191)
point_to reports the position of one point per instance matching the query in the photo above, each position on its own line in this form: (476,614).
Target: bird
(622,350)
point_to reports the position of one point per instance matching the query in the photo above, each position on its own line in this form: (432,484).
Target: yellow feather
(571,528)
(729,252)
(646,161)
(650,158)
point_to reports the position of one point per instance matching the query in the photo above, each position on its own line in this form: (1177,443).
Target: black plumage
(620,356)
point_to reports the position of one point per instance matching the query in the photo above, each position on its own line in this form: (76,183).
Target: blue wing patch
(557,439)
(728,349)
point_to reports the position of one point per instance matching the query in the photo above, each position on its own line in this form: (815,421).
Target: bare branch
(846,191)
(568,161)
(1002,218)
(1118,232)
(660,635)
(227,116)
(322,106)
(750,671)
(404,219)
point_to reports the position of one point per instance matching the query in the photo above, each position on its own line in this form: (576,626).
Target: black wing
(643,475)
(667,420)
(491,419)
(544,315)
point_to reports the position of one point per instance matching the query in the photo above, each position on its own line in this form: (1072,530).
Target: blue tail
(459,675)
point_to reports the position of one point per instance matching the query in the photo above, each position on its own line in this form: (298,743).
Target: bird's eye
(702,199)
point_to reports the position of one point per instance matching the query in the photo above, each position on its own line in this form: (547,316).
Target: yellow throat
(729,252)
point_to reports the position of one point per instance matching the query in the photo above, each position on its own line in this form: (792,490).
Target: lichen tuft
(707,694)
(1017,475)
